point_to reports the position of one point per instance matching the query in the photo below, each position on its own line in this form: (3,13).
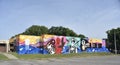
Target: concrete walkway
(10,56)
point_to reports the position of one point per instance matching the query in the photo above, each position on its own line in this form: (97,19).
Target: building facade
(53,44)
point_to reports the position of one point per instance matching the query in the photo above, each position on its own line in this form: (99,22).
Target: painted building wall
(26,44)
(62,45)
(95,45)
(52,44)
(73,44)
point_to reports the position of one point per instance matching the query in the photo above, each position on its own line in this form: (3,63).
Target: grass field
(2,57)
(41,56)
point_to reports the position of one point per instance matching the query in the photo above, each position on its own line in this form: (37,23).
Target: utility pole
(115,42)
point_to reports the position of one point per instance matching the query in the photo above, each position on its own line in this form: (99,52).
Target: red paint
(58,48)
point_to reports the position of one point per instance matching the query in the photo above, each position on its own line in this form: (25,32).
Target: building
(4,46)
(53,44)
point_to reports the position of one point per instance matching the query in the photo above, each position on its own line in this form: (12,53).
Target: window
(88,45)
(94,45)
(99,45)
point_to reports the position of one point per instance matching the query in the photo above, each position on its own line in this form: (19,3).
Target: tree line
(38,30)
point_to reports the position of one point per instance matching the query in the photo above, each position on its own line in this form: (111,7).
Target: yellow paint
(45,37)
(93,40)
(33,39)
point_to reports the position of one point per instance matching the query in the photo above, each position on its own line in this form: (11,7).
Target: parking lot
(95,60)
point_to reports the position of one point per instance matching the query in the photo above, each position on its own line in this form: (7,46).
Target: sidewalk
(10,56)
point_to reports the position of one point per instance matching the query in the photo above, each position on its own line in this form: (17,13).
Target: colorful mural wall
(26,44)
(52,44)
(61,45)
(94,45)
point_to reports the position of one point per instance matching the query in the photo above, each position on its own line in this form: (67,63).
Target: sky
(91,18)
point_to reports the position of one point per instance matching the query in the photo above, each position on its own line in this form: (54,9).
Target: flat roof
(4,41)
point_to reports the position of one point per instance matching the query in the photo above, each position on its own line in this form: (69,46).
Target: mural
(49,46)
(93,45)
(84,44)
(73,44)
(62,45)
(52,44)
(60,41)
(26,44)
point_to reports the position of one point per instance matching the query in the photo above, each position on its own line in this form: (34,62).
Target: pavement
(94,60)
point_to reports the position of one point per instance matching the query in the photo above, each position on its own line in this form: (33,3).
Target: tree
(36,30)
(39,30)
(111,34)
(81,36)
(61,31)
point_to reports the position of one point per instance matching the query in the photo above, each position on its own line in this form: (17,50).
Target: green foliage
(39,30)
(110,34)
(81,36)
(61,31)
(36,30)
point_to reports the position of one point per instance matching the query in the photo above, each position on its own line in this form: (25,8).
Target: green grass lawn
(2,57)
(41,56)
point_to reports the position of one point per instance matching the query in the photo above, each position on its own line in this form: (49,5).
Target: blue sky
(89,17)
